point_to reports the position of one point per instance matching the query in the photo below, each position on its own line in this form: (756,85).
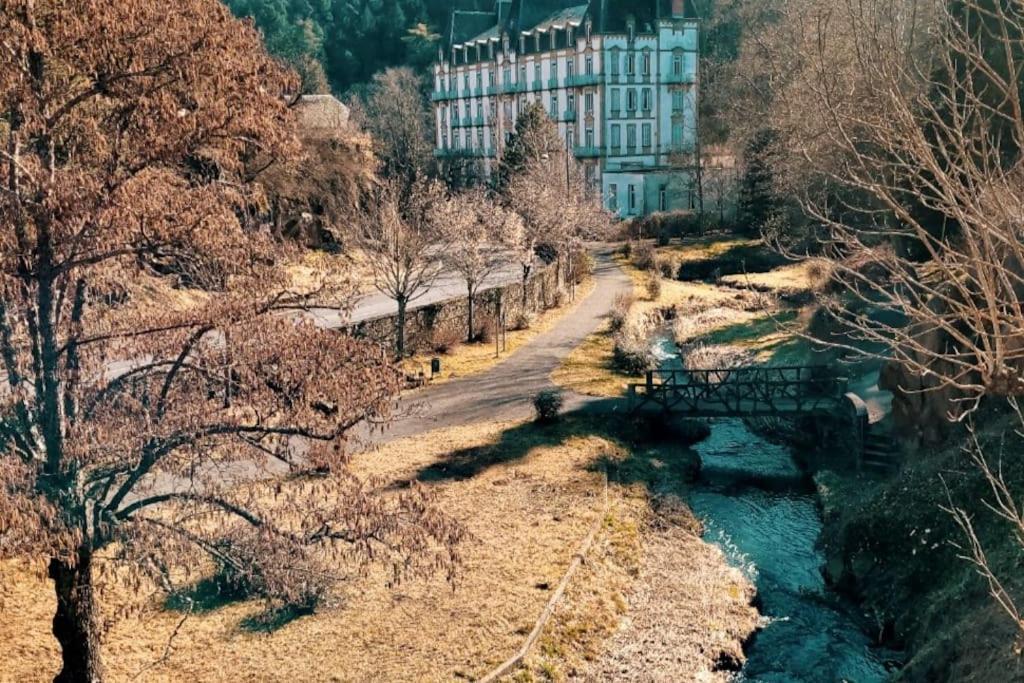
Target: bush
(653,286)
(664,239)
(582,266)
(560,298)
(626,249)
(483,328)
(445,339)
(547,404)
(523,321)
(643,256)
(667,267)
(620,310)
(631,353)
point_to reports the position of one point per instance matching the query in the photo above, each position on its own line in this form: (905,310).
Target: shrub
(667,267)
(631,353)
(445,339)
(547,404)
(653,286)
(643,256)
(559,299)
(664,238)
(620,310)
(582,266)
(523,321)
(483,328)
(626,249)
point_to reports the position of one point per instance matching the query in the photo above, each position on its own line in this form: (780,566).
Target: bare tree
(403,242)
(399,119)
(139,438)
(475,245)
(904,124)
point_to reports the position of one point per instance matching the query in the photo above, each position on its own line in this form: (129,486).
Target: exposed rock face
(921,411)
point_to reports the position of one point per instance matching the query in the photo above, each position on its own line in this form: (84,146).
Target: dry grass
(789,280)
(525,517)
(590,368)
(471,359)
(704,249)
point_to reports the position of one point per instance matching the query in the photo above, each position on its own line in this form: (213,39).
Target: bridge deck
(740,392)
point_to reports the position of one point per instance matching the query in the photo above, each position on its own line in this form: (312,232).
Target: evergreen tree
(535,137)
(758,201)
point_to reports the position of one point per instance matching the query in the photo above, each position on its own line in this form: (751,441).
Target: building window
(465,82)
(631,136)
(662,200)
(554,70)
(508,111)
(536,72)
(570,138)
(677,101)
(677,135)
(444,141)
(571,99)
(646,99)
(507,75)
(455,115)
(613,197)
(615,62)
(491,137)
(630,64)
(588,136)
(522,73)
(570,67)
(456,140)
(469,113)
(490,78)
(646,64)
(588,102)
(677,64)
(616,136)
(479,80)
(480,110)
(645,135)
(632,198)
(480,138)
(522,102)
(631,99)
(588,65)
(554,106)
(616,100)
(494,110)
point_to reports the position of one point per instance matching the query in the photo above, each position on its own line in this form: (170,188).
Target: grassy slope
(892,543)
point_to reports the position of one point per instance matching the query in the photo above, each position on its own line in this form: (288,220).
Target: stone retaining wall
(449,319)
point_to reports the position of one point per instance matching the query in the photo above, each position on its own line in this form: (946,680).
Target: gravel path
(504,392)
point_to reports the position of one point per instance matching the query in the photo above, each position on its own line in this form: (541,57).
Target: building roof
(472,25)
(321,112)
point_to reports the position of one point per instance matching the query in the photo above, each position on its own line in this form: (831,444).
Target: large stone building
(619,77)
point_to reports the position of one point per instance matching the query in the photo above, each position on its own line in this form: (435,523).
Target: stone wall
(425,325)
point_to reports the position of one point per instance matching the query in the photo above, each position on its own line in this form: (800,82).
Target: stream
(761,510)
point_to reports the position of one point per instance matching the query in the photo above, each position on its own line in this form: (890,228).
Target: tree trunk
(75,622)
(526,281)
(400,327)
(470,338)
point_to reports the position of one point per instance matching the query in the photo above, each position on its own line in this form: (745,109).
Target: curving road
(505,391)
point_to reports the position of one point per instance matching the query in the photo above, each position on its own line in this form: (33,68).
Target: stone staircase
(881,452)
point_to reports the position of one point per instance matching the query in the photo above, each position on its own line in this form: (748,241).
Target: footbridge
(754,391)
(818,392)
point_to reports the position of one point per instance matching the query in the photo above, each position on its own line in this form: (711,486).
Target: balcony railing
(553,82)
(514,87)
(587,152)
(537,85)
(440,95)
(580,80)
(471,153)
(568,115)
(679,79)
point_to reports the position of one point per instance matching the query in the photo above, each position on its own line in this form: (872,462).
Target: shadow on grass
(750,331)
(206,595)
(210,594)
(653,451)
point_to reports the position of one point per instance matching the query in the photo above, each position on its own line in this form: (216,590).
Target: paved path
(505,391)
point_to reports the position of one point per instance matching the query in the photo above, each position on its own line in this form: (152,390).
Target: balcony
(581,80)
(679,79)
(513,87)
(587,152)
(537,85)
(478,120)
(568,115)
(441,95)
(553,82)
(491,90)
(478,92)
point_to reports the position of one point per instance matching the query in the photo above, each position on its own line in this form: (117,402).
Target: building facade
(619,77)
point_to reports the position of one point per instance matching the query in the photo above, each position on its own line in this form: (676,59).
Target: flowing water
(761,510)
